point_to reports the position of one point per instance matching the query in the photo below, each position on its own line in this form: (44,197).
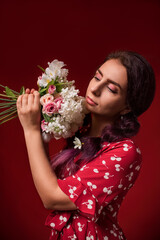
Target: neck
(97,125)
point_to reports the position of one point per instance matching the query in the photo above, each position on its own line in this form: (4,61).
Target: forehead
(115,71)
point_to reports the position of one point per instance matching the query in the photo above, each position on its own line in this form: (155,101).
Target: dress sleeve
(97,183)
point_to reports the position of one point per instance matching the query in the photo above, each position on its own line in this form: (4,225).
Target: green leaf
(10,89)
(15,92)
(22,91)
(9,92)
(58,88)
(51,83)
(46,118)
(42,90)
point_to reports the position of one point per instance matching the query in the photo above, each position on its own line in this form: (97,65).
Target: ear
(125,110)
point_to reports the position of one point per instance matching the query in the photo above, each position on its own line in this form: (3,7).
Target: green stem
(67,83)
(11,109)
(3,95)
(6,105)
(2,86)
(6,116)
(8,100)
(41,68)
(8,119)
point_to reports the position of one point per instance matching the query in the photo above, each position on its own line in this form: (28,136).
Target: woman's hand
(28,108)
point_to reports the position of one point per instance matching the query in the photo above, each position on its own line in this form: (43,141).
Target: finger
(30,99)
(24,100)
(32,90)
(27,90)
(19,102)
(36,98)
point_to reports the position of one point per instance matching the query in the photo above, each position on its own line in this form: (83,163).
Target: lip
(90,101)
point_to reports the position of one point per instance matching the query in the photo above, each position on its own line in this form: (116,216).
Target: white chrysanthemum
(59,128)
(69,92)
(72,110)
(72,106)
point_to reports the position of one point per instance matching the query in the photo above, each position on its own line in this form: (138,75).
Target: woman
(86,187)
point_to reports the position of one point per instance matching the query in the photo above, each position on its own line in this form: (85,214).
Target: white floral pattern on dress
(97,189)
(107,190)
(90,237)
(71,191)
(118,167)
(120,185)
(83,168)
(91,186)
(80,227)
(95,170)
(62,219)
(129,176)
(89,204)
(126,147)
(107,175)
(116,158)
(73,237)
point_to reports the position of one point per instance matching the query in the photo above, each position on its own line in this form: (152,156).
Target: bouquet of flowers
(63,110)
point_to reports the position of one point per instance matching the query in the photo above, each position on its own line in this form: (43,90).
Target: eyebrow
(109,80)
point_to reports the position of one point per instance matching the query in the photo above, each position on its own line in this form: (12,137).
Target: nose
(96,89)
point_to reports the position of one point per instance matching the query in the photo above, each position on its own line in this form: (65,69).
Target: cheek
(89,87)
(112,104)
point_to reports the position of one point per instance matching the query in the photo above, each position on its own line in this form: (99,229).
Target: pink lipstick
(90,101)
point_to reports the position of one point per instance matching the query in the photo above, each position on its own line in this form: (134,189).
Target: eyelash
(115,92)
(96,78)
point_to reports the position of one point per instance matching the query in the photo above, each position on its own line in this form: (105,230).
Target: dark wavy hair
(140,94)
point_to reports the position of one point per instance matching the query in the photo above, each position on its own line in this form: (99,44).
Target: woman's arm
(45,180)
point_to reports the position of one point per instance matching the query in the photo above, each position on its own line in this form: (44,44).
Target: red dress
(97,189)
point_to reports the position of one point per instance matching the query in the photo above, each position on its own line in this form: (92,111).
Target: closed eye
(110,85)
(111,90)
(97,78)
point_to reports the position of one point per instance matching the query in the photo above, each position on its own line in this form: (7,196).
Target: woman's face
(106,92)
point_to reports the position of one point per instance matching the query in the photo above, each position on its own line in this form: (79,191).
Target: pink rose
(46,99)
(51,89)
(49,108)
(58,101)
(43,125)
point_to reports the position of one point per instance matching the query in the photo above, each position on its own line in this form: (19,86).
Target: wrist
(32,132)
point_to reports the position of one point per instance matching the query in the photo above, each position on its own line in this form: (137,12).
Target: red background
(80,33)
